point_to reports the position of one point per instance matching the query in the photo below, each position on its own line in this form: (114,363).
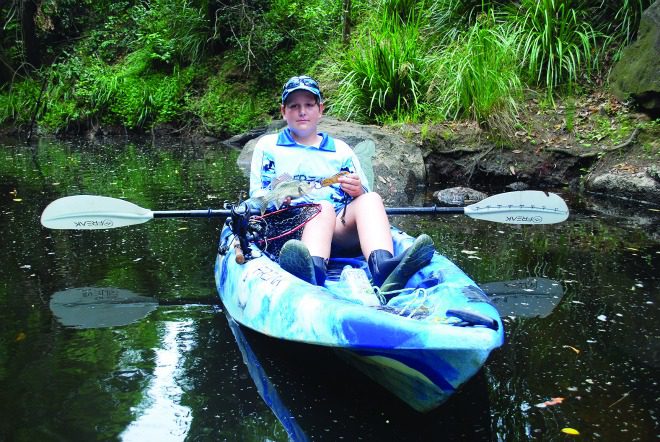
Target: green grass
(383,73)
(476,77)
(555,42)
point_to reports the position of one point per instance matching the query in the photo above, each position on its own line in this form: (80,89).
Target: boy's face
(302,113)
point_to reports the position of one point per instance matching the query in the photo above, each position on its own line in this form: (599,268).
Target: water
(184,372)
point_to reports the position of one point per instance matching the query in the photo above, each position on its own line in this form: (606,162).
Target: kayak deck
(422,345)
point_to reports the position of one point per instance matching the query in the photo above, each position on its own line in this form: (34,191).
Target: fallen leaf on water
(18,200)
(632,249)
(182,228)
(20,337)
(571,431)
(572,348)
(552,401)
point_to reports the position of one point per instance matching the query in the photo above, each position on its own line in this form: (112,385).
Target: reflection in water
(98,307)
(265,387)
(160,415)
(598,348)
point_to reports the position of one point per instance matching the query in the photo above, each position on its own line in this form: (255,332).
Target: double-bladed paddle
(92,212)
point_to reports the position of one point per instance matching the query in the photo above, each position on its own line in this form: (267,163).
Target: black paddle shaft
(212,213)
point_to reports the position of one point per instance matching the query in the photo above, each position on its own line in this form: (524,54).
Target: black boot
(320,269)
(392,273)
(381,263)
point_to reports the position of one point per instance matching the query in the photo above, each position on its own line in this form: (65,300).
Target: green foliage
(275,40)
(556,43)
(384,73)
(170,31)
(18,102)
(450,18)
(618,20)
(476,77)
(229,109)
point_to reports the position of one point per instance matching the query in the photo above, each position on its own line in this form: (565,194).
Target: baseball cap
(301,83)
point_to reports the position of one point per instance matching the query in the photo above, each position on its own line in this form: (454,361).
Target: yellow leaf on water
(18,200)
(20,337)
(572,348)
(571,431)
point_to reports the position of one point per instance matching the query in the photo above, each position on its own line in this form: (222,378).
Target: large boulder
(637,74)
(398,164)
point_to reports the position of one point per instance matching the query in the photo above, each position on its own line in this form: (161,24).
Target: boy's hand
(351,184)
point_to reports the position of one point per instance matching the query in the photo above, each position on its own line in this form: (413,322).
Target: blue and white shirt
(278,155)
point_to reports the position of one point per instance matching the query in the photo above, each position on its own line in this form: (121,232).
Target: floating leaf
(571,431)
(551,402)
(18,200)
(572,348)
(21,337)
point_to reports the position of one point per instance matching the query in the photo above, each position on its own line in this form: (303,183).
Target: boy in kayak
(351,217)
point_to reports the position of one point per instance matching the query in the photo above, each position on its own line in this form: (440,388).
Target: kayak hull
(422,345)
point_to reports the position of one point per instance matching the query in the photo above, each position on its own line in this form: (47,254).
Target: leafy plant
(476,77)
(556,43)
(171,31)
(228,109)
(384,73)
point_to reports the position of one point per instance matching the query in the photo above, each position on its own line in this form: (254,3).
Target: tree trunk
(346,20)
(29,34)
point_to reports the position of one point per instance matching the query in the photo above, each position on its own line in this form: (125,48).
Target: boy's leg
(365,224)
(318,232)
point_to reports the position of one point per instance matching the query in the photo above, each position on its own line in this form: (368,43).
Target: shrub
(556,43)
(476,77)
(227,109)
(384,73)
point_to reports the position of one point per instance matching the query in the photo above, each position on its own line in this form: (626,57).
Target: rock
(637,186)
(398,164)
(458,196)
(516,186)
(637,74)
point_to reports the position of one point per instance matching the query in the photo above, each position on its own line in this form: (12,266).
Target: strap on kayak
(470,317)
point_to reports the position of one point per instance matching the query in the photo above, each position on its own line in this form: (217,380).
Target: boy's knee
(327,210)
(371,198)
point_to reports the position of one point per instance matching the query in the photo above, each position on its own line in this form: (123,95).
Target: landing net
(272,230)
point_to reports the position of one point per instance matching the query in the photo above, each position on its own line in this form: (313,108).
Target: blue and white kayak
(422,345)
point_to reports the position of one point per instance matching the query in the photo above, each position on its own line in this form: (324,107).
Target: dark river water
(171,366)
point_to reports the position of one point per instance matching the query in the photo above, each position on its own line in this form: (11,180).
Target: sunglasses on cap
(301,83)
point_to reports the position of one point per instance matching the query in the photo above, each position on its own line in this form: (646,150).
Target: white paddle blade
(90,212)
(525,207)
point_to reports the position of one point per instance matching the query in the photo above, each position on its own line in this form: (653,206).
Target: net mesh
(272,230)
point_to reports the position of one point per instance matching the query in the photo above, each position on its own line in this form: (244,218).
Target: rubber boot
(381,263)
(392,273)
(320,269)
(295,259)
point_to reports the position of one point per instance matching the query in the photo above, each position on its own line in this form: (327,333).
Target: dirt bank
(593,143)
